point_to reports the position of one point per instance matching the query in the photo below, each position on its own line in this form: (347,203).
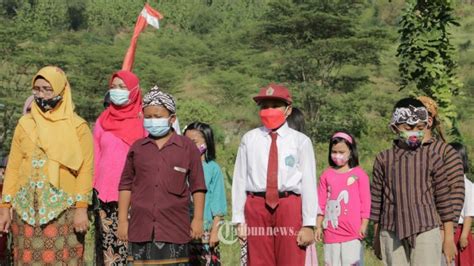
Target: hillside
(337,57)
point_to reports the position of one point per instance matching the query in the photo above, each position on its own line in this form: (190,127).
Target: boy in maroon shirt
(154,185)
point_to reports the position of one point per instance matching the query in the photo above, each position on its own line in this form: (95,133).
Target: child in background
(296,121)
(206,252)
(161,172)
(434,127)
(463,236)
(344,197)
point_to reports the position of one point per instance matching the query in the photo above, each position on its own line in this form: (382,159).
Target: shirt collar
(175,139)
(282,132)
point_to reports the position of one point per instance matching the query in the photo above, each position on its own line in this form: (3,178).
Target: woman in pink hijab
(27,105)
(116,129)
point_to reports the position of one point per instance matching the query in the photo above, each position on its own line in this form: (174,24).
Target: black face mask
(46,105)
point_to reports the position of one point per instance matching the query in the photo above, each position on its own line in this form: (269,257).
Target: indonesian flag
(147,16)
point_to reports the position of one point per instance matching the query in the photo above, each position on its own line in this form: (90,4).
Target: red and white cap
(274,92)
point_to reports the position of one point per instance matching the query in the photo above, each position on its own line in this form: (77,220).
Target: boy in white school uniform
(274,196)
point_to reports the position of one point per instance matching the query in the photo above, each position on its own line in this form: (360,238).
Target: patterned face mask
(49,104)
(412,138)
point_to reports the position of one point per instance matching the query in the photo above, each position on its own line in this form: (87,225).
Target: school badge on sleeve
(290,161)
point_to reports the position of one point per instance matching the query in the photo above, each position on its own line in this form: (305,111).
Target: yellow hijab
(56,129)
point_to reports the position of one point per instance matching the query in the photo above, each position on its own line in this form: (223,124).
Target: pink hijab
(27,105)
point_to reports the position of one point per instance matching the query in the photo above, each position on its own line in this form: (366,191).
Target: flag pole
(147,16)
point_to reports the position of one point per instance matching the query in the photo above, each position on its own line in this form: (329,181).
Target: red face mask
(272,118)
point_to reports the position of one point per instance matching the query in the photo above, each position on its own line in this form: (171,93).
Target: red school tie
(271,195)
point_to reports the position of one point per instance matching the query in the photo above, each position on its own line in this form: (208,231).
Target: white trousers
(344,254)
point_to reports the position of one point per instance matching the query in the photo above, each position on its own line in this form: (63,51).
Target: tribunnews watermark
(228,232)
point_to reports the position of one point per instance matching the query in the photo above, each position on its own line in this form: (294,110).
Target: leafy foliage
(337,58)
(316,42)
(427,55)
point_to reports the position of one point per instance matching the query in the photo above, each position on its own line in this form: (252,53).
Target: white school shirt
(468,208)
(296,170)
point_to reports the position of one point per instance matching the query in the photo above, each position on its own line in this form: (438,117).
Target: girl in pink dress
(344,202)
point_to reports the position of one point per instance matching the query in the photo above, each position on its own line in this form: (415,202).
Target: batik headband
(343,135)
(157,97)
(411,115)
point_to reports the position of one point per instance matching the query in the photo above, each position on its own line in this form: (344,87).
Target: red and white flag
(147,16)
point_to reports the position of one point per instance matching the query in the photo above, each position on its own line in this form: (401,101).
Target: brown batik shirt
(414,191)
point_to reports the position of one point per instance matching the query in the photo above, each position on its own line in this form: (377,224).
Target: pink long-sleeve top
(110,153)
(344,199)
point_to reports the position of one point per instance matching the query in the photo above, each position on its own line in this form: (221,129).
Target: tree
(427,64)
(316,41)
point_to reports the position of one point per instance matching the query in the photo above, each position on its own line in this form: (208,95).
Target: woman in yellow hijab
(48,180)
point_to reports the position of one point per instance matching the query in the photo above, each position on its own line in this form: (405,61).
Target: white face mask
(119,97)
(157,127)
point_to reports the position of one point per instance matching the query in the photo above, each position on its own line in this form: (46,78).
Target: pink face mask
(340,159)
(202,148)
